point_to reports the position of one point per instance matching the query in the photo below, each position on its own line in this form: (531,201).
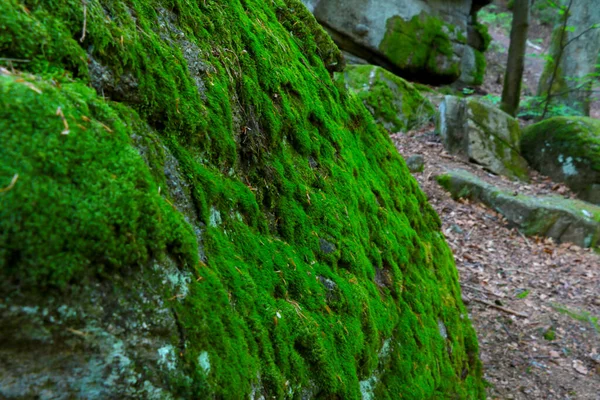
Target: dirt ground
(534,303)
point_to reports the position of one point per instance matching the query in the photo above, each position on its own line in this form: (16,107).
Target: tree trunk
(574,53)
(511,92)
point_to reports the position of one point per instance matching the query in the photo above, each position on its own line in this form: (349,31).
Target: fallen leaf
(579,367)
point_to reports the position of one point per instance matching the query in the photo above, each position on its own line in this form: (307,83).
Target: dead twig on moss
(11,185)
(84,21)
(60,113)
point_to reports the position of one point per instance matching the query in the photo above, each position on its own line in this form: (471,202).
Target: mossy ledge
(200,212)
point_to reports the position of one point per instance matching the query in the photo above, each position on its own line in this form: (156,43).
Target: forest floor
(553,352)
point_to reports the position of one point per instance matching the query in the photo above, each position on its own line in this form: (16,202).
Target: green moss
(559,82)
(550,334)
(505,147)
(481,65)
(568,150)
(576,137)
(106,214)
(276,159)
(394,102)
(421,46)
(486,39)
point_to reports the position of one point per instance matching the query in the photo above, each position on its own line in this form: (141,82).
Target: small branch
(20,60)
(11,185)
(581,34)
(558,58)
(480,290)
(84,21)
(506,310)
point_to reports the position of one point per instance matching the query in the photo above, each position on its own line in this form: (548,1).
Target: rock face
(561,219)
(198,211)
(482,134)
(578,56)
(567,149)
(433,41)
(395,103)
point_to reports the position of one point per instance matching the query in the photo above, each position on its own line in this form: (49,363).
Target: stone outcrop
(191,208)
(562,219)
(483,134)
(395,103)
(434,41)
(576,50)
(567,149)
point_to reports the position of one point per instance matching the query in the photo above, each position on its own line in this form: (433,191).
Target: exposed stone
(562,219)
(395,103)
(415,163)
(483,134)
(418,40)
(567,149)
(578,54)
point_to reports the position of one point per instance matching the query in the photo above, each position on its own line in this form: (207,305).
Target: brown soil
(557,287)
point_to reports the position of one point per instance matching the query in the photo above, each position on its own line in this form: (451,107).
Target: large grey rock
(419,40)
(483,134)
(578,55)
(567,149)
(561,219)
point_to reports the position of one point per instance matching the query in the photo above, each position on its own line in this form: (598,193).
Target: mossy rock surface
(423,45)
(562,219)
(197,210)
(567,149)
(394,103)
(478,132)
(422,41)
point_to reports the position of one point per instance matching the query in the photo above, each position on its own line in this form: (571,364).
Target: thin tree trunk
(511,93)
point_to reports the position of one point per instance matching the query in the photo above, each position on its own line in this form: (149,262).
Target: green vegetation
(292,182)
(577,138)
(418,45)
(394,102)
(490,16)
(579,315)
(550,334)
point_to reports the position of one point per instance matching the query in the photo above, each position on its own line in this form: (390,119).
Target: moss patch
(568,150)
(422,45)
(395,103)
(318,245)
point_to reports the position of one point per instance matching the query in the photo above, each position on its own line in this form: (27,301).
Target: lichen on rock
(567,149)
(179,167)
(483,134)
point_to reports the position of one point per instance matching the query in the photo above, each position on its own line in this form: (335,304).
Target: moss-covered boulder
(191,208)
(426,41)
(562,219)
(395,103)
(567,149)
(478,132)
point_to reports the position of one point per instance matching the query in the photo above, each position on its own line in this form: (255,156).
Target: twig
(84,21)
(558,58)
(65,123)
(21,60)
(506,310)
(524,238)
(480,290)
(11,185)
